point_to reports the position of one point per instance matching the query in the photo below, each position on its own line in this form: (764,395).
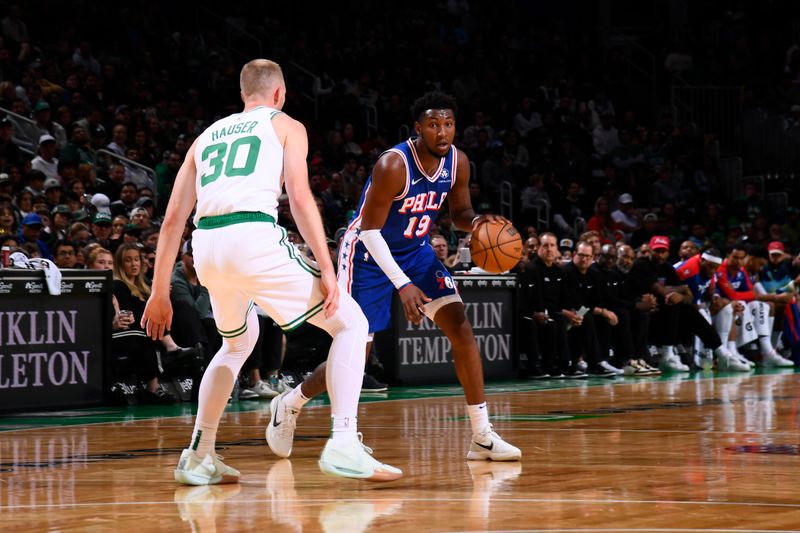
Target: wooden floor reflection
(656,455)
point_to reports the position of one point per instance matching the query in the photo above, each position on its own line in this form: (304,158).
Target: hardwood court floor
(693,454)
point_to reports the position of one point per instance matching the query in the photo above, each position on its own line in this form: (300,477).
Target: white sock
(667,351)
(203,439)
(720,351)
(732,347)
(478,417)
(295,399)
(217,384)
(765,344)
(343,427)
(345,370)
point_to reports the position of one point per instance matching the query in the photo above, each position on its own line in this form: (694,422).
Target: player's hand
(574,318)
(413,301)
(673,298)
(330,289)
(488,218)
(784,298)
(611,317)
(157,316)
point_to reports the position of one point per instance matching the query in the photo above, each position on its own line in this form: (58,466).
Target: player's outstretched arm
(461,210)
(388,180)
(302,204)
(157,317)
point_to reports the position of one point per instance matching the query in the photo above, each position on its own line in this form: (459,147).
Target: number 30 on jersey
(216,154)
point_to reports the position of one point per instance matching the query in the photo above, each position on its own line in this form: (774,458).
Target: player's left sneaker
(351,458)
(209,470)
(489,446)
(280,429)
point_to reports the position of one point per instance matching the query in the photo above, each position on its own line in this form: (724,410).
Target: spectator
(602,222)
(119,136)
(46,162)
(31,231)
(626,217)
(64,252)
(131,292)
(605,135)
(9,150)
(128,193)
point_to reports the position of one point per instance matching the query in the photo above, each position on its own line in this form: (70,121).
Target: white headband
(713,258)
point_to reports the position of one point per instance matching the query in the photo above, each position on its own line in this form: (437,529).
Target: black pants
(640,333)
(266,354)
(671,322)
(188,329)
(550,340)
(134,353)
(583,341)
(619,337)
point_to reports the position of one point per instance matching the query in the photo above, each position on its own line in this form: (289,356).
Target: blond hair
(259,76)
(93,251)
(138,285)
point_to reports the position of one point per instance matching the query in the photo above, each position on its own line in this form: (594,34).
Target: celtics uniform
(241,255)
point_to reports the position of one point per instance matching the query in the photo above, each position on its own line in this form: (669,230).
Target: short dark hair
(433,100)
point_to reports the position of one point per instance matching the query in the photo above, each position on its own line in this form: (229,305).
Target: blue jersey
(415,209)
(406,232)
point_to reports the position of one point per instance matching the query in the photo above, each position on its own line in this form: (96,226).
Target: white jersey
(239,163)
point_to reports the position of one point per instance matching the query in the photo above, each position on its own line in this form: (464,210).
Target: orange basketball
(496,247)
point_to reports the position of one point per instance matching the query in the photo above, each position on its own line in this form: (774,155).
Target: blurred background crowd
(632,120)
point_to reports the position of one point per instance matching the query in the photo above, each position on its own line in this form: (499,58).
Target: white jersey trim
(419,164)
(408,174)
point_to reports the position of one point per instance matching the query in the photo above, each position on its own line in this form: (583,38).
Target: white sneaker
(773,358)
(280,429)
(742,359)
(672,363)
(489,445)
(608,367)
(350,458)
(264,389)
(210,470)
(727,361)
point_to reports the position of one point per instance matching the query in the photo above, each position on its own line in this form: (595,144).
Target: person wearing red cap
(676,313)
(758,320)
(776,276)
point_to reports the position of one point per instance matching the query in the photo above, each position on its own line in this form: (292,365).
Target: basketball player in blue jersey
(386,248)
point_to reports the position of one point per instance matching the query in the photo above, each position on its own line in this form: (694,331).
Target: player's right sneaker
(350,458)
(727,361)
(773,358)
(672,363)
(489,446)
(280,429)
(209,470)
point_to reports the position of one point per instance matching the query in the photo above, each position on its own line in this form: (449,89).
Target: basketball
(496,247)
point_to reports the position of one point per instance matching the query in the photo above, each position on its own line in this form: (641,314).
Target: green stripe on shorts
(297,322)
(293,254)
(241,329)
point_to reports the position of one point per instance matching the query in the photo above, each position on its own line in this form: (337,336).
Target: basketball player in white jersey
(234,172)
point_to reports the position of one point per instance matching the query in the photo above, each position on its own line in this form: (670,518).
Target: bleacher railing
(103,159)
(26,132)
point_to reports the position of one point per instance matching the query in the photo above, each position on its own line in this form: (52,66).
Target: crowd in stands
(543,115)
